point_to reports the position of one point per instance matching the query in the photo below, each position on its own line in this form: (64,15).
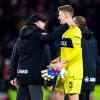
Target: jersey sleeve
(14,63)
(48,38)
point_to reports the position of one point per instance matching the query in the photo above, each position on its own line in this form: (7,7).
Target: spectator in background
(28,57)
(90,58)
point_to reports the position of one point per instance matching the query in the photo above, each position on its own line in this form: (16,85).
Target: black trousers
(84,95)
(29,92)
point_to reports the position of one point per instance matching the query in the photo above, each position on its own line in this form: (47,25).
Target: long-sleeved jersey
(72,51)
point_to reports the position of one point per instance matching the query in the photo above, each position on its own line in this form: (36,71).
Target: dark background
(14,14)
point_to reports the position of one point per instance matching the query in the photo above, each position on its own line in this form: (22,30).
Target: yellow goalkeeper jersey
(72,51)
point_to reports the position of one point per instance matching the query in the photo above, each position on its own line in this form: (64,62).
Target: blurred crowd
(14,14)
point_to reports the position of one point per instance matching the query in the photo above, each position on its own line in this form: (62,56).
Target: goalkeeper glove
(49,74)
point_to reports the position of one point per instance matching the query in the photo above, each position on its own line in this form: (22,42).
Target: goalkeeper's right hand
(49,74)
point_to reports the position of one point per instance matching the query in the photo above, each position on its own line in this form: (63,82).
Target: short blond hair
(67,8)
(79,20)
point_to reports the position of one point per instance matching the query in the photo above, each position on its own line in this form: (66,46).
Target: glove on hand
(49,74)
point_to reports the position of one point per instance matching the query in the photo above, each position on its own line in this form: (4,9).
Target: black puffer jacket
(90,58)
(28,56)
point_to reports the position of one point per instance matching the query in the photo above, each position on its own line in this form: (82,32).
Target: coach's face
(41,24)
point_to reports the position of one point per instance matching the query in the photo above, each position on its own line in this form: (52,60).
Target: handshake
(53,70)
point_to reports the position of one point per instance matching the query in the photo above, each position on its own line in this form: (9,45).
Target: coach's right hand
(14,82)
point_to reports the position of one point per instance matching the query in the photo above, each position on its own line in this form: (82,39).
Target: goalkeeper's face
(62,17)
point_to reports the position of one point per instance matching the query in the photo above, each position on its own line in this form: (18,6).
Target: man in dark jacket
(28,57)
(90,58)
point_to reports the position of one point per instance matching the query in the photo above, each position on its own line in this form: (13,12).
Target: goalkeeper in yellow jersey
(69,65)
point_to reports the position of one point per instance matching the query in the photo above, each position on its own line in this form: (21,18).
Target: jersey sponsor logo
(44,33)
(89,79)
(92,79)
(22,71)
(66,42)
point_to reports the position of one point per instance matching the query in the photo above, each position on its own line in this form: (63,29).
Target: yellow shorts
(69,86)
